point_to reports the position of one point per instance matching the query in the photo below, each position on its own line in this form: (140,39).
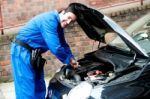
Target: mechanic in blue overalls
(45,32)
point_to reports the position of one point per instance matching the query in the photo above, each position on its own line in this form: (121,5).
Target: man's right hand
(74,63)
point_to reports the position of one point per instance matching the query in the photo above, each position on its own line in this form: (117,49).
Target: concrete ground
(7,90)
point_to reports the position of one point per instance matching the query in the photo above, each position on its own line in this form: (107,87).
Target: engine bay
(91,69)
(99,67)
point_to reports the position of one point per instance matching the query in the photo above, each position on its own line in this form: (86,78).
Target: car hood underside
(96,25)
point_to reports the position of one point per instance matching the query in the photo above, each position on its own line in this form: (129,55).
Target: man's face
(66,18)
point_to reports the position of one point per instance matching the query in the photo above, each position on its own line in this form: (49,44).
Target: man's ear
(63,12)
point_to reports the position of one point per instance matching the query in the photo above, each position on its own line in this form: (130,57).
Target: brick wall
(126,17)
(76,38)
(17,12)
(5,65)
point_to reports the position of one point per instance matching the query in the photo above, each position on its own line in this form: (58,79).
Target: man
(44,32)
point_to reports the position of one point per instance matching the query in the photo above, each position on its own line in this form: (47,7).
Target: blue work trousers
(27,86)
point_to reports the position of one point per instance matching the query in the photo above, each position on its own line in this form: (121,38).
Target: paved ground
(7,90)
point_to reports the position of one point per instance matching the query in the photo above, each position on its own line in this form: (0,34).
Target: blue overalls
(42,31)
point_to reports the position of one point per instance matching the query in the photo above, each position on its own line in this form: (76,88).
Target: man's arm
(55,43)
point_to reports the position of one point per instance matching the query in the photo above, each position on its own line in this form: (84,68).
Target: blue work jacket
(44,31)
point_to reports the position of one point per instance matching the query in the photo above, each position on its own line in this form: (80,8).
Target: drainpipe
(1,19)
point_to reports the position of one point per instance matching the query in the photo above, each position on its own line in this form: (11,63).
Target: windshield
(142,36)
(139,31)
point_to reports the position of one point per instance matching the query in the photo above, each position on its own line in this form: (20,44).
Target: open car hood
(96,25)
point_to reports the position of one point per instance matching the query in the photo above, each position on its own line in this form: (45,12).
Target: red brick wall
(5,67)
(15,13)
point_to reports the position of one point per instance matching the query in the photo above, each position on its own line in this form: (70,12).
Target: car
(120,69)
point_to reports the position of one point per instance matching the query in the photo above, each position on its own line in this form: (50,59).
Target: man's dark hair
(71,8)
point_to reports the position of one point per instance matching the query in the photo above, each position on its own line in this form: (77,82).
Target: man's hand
(74,63)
